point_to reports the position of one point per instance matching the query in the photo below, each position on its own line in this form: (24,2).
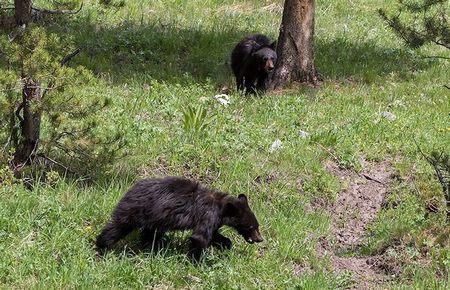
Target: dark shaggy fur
(252,61)
(174,203)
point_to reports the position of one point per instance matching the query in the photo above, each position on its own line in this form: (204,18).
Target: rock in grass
(223,99)
(388,115)
(303,134)
(276,145)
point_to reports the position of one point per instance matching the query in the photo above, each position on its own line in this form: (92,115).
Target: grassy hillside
(155,59)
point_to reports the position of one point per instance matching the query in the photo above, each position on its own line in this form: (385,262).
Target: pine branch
(441,164)
(417,7)
(433,26)
(69,57)
(64,61)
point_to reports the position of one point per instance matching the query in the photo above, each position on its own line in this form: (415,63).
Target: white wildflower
(223,99)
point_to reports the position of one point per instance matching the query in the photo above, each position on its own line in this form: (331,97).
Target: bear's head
(266,58)
(237,214)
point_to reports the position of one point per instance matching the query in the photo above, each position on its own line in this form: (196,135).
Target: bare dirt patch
(356,207)
(159,167)
(366,272)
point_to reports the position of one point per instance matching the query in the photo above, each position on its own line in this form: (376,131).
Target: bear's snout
(255,237)
(269,65)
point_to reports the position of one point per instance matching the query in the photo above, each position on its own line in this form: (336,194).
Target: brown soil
(366,272)
(160,168)
(358,204)
(355,209)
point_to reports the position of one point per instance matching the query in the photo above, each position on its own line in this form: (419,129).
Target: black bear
(252,61)
(159,205)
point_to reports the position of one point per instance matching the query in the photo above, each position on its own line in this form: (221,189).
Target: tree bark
(30,124)
(295,47)
(22,11)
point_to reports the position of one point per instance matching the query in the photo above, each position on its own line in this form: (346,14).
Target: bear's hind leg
(110,234)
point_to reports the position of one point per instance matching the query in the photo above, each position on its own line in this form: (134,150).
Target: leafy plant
(6,175)
(196,119)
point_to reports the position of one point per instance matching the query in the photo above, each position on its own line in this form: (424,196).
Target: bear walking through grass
(252,61)
(165,204)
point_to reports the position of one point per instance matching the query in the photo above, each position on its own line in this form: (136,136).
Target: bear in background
(252,61)
(166,204)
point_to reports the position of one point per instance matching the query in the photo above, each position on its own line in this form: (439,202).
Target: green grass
(156,58)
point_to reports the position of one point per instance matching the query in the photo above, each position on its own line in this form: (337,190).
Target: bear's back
(170,203)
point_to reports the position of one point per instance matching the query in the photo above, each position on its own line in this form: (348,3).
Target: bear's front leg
(220,241)
(198,245)
(200,240)
(262,84)
(240,82)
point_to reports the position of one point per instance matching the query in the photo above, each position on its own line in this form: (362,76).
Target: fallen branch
(372,179)
(37,14)
(66,168)
(446,45)
(435,56)
(53,12)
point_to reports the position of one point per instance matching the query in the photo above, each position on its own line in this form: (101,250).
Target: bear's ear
(254,50)
(273,45)
(255,47)
(230,209)
(243,198)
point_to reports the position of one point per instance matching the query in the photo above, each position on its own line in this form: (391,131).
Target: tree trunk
(30,124)
(22,11)
(295,47)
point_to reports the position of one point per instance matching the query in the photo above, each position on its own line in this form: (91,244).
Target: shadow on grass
(172,244)
(131,52)
(162,52)
(341,59)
